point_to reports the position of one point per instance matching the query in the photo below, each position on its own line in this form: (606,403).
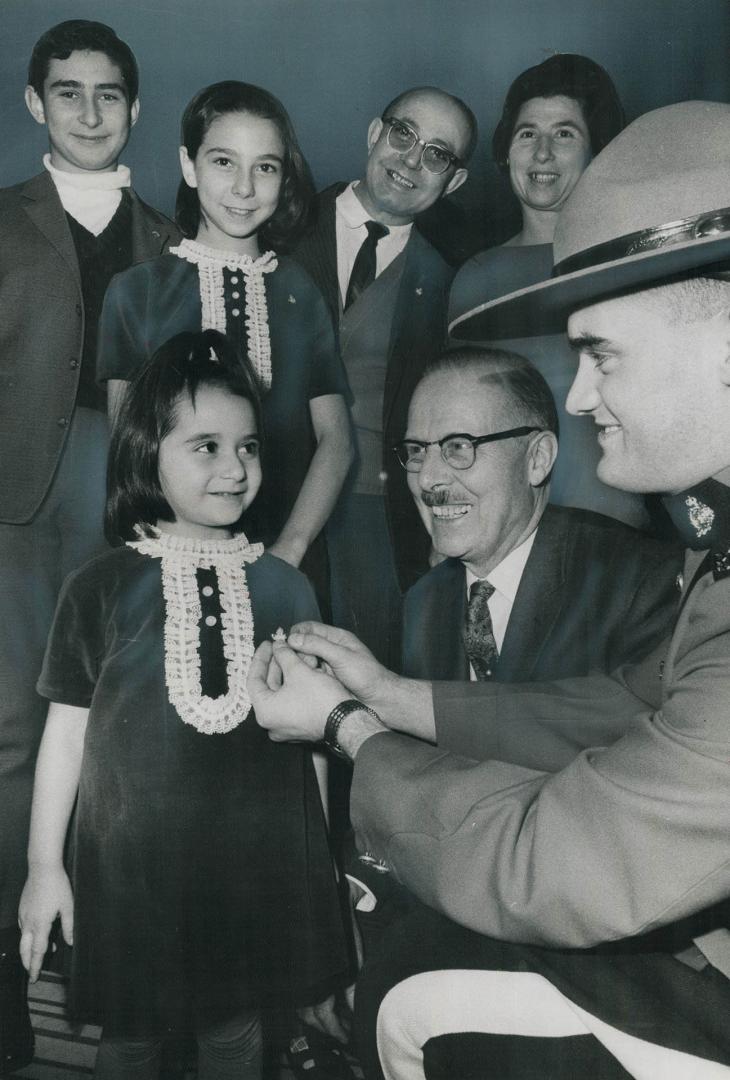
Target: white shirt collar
(89,181)
(507,574)
(354,215)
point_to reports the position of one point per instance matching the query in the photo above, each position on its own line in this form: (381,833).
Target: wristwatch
(334,722)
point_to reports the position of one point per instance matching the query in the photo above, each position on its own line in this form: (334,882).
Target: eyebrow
(436,141)
(232,153)
(556,124)
(201,436)
(586,342)
(74,84)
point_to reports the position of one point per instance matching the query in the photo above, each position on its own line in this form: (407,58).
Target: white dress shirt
(350,218)
(505,577)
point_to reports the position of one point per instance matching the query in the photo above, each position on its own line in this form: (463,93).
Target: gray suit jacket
(42,333)
(594,594)
(417,335)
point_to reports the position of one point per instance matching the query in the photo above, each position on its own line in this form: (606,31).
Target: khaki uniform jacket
(626,830)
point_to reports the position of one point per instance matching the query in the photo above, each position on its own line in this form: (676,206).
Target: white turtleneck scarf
(92,198)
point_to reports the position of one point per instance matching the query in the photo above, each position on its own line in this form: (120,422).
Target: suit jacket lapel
(538,603)
(410,281)
(43,206)
(322,243)
(448,659)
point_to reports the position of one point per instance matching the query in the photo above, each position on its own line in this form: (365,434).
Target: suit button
(62,421)
(73,363)
(78,310)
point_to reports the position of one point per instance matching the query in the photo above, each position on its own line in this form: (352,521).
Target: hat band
(675,232)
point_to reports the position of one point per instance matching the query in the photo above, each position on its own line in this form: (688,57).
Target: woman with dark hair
(555,118)
(245,194)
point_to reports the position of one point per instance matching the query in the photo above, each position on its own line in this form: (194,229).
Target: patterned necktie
(479,643)
(363,269)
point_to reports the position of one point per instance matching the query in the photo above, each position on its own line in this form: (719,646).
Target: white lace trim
(210,263)
(181,557)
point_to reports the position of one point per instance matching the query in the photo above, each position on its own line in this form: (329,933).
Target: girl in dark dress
(245,194)
(201,885)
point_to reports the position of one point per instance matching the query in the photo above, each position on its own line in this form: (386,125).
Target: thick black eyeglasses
(402,137)
(459,451)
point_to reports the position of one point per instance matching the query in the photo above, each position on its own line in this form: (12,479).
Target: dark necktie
(363,269)
(479,643)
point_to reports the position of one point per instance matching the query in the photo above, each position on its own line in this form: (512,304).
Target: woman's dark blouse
(151,302)
(201,872)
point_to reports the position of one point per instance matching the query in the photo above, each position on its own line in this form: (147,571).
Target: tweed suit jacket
(594,594)
(42,334)
(619,829)
(418,333)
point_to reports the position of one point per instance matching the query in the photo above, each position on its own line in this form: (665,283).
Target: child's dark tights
(230,1051)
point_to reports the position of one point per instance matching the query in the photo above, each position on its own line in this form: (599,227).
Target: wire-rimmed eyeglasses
(458,450)
(402,137)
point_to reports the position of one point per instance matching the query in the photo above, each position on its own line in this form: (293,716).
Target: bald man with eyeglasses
(387,289)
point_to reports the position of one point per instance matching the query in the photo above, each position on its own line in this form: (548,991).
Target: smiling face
(238,173)
(657,389)
(85,108)
(209,463)
(397,187)
(549,150)
(480,514)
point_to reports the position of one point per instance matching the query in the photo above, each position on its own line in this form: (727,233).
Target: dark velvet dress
(201,872)
(147,305)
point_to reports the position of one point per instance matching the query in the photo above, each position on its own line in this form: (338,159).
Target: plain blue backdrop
(336,63)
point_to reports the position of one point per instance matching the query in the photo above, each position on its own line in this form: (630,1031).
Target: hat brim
(544,308)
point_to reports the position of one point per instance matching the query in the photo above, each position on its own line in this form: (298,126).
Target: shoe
(16,1034)
(312,1056)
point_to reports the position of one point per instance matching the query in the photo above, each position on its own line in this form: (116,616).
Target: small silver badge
(701,517)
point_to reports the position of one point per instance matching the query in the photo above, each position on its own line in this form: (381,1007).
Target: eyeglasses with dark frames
(434,157)
(458,450)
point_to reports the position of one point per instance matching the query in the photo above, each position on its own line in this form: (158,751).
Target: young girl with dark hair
(245,193)
(202,885)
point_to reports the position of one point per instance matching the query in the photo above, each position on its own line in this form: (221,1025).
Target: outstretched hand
(348,659)
(290,698)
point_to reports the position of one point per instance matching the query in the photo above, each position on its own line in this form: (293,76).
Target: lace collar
(211,263)
(181,557)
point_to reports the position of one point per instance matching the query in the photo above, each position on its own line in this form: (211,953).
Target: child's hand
(323,1018)
(47,893)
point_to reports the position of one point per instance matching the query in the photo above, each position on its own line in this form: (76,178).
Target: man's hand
(349,660)
(291,700)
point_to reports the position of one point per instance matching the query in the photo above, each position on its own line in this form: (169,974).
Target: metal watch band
(334,722)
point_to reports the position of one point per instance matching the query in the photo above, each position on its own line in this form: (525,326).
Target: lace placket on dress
(232,294)
(204,588)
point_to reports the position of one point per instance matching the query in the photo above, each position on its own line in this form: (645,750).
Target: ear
(376,126)
(456,181)
(188,168)
(35,105)
(134,112)
(541,457)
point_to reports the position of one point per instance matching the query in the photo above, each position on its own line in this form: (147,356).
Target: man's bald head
(464,120)
(400,184)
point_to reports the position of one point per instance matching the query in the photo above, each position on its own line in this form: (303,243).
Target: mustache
(435,498)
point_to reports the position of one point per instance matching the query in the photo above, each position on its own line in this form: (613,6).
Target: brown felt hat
(654,204)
